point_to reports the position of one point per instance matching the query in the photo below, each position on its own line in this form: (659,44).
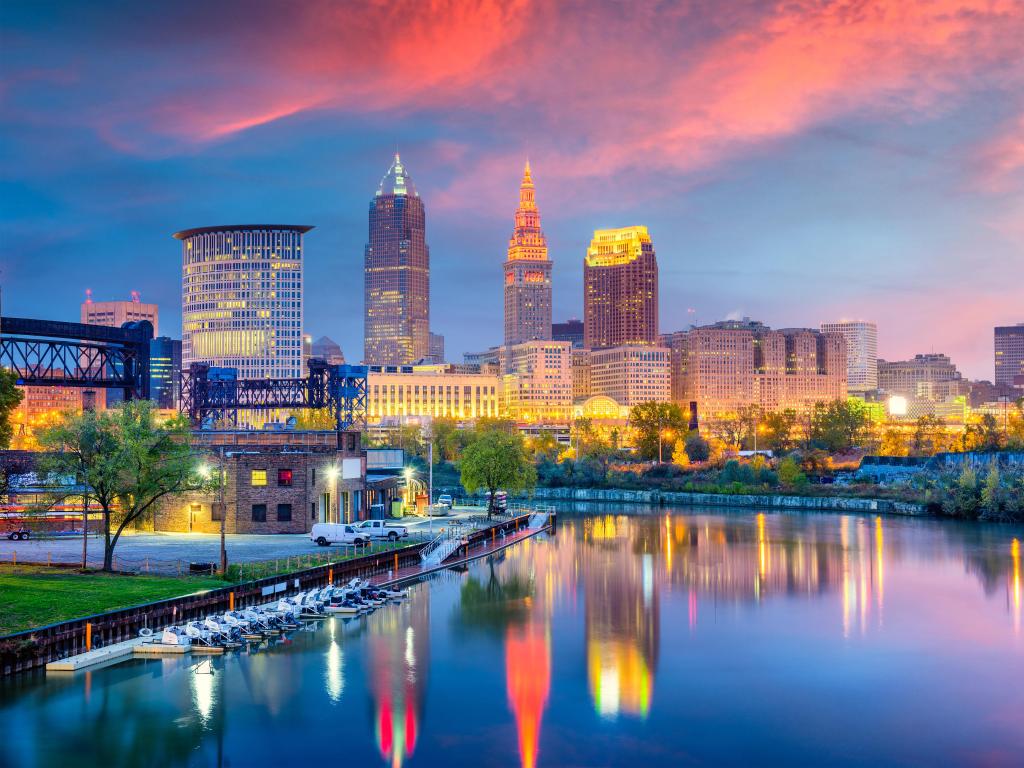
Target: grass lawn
(31,596)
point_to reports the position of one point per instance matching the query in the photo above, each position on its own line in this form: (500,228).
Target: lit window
(259,477)
(284,477)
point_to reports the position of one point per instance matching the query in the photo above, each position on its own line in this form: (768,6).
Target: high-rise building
(165,371)
(632,374)
(241,298)
(1009,349)
(397,274)
(537,385)
(620,289)
(861,353)
(117,313)
(328,349)
(737,363)
(931,376)
(571,330)
(527,272)
(436,354)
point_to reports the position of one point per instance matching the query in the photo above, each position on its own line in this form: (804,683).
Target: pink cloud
(997,163)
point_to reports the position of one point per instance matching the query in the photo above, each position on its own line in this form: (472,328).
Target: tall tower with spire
(527,272)
(396,285)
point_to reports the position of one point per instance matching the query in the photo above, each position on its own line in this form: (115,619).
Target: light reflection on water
(624,639)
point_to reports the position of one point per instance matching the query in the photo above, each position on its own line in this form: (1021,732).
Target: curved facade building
(241,298)
(397,274)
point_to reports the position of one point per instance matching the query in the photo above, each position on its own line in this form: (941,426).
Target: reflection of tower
(399,646)
(621,619)
(1015,588)
(528,673)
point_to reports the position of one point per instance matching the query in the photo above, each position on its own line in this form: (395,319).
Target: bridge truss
(215,395)
(51,353)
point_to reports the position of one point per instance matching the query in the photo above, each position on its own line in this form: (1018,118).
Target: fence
(37,647)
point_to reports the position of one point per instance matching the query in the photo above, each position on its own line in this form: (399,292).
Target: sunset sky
(796,161)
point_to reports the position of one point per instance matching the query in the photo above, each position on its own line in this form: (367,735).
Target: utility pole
(223,514)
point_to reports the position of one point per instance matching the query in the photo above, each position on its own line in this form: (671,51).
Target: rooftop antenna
(135,297)
(88,295)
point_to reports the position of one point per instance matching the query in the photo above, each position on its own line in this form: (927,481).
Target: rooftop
(187,233)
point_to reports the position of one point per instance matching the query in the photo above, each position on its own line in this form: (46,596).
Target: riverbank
(766,500)
(34,596)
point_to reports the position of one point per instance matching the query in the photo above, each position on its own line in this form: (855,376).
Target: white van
(326,534)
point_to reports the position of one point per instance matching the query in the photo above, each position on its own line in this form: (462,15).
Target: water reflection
(398,642)
(658,636)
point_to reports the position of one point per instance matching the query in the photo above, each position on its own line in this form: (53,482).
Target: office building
(397,393)
(734,364)
(114,314)
(329,350)
(537,382)
(165,372)
(241,298)
(436,353)
(527,272)
(631,374)
(861,353)
(931,376)
(571,330)
(580,363)
(1009,355)
(117,313)
(396,285)
(620,289)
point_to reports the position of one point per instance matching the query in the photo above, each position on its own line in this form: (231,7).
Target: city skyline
(796,194)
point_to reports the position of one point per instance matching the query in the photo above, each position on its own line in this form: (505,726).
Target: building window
(259,513)
(259,477)
(216,512)
(284,477)
(284,513)
(312,510)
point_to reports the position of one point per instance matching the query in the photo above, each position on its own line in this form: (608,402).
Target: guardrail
(37,647)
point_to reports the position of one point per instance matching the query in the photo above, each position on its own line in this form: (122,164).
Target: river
(658,639)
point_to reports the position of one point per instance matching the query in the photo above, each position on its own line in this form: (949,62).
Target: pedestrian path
(488,547)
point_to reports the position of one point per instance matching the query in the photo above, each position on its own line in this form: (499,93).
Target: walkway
(419,570)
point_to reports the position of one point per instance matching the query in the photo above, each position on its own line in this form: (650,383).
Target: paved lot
(169,552)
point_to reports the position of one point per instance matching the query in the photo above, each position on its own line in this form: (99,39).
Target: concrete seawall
(773,501)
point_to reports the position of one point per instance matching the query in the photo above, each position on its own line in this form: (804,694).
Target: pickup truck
(378,529)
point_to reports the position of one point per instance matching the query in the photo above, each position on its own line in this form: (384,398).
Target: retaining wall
(772,501)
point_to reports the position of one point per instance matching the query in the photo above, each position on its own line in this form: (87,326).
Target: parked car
(325,534)
(379,529)
(446,500)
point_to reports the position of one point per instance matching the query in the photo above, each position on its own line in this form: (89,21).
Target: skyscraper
(861,353)
(397,274)
(1009,354)
(165,371)
(241,298)
(620,289)
(527,272)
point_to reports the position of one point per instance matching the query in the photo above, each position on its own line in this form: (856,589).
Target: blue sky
(795,162)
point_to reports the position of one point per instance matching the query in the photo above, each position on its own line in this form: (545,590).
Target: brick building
(278,482)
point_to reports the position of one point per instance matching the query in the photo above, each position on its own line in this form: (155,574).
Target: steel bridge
(215,395)
(51,353)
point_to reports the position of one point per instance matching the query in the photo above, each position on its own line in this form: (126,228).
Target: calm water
(668,639)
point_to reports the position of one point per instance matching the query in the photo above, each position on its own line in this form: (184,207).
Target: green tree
(929,431)
(839,425)
(697,448)
(495,461)
(10,398)
(128,461)
(778,430)
(314,419)
(545,445)
(448,439)
(790,473)
(653,418)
